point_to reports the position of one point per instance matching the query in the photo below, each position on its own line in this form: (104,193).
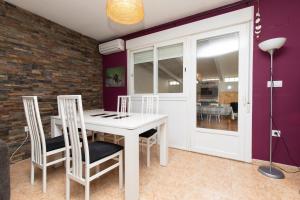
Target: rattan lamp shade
(125,11)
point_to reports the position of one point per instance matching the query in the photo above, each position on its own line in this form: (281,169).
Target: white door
(220,90)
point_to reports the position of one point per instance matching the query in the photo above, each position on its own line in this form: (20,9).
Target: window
(158,69)
(170,69)
(143,72)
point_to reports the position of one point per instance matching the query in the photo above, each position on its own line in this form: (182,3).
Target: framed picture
(115,77)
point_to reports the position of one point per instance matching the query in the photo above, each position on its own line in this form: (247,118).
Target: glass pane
(170,69)
(143,72)
(217,82)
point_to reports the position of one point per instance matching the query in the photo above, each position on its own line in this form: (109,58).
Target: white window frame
(130,68)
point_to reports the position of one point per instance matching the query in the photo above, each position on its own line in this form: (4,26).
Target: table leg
(163,144)
(131,167)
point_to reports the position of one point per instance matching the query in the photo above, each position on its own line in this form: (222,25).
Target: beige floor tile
(188,176)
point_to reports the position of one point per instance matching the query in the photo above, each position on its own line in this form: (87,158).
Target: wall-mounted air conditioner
(114,46)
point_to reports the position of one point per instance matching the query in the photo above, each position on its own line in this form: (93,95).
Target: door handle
(246,103)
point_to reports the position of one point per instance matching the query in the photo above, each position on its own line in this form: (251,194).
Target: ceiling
(88,17)
(221,67)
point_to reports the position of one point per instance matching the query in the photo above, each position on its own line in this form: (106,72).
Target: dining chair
(124,105)
(235,108)
(84,156)
(41,148)
(89,133)
(150,105)
(123,108)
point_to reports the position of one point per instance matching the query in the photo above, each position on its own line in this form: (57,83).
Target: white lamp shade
(272,44)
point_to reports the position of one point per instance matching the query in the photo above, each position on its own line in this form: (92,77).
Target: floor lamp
(270,46)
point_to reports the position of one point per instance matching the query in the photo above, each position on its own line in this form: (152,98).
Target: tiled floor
(189,176)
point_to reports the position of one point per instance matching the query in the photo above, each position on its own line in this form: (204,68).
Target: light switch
(275,84)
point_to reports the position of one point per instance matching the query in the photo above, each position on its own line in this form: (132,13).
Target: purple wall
(278,19)
(110,94)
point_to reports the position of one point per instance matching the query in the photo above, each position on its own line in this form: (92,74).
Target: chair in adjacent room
(150,105)
(41,148)
(85,156)
(235,107)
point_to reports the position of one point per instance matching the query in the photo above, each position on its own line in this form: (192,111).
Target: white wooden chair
(89,133)
(123,108)
(41,148)
(85,156)
(124,105)
(150,105)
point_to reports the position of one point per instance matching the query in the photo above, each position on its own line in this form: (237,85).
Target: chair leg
(87,190)
(67,188)
(32,173)
(121,170)
(44,179)
(157,147)
(148,153)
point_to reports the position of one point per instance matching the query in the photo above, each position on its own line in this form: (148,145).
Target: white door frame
(243,138)
(187,31)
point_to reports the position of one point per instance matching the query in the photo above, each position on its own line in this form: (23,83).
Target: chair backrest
(124,104)
(235,106)
(71,113)
(58,107)
(36,131)
(150,104)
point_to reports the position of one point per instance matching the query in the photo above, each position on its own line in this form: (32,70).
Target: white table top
(134,121)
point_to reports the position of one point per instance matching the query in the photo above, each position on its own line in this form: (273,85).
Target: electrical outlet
(276,133)
(26,129)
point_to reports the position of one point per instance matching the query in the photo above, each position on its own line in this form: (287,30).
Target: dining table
(130,126)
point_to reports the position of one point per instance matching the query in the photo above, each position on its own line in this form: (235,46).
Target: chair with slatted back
(41,148)
(85,156)
(150,104)
(89,133)
(124,105)
(123,108)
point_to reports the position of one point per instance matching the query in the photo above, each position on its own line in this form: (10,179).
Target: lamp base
(271,172)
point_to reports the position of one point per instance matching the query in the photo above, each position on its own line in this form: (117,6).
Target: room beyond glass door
(217,80)
(220,92)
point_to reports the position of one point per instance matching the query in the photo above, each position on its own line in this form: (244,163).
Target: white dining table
(129,127)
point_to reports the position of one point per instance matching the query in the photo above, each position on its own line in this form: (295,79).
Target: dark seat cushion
(100,149)
(55,143)
(148,133)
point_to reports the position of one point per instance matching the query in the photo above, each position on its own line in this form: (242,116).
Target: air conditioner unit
(114,46)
